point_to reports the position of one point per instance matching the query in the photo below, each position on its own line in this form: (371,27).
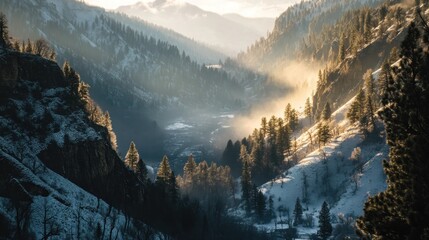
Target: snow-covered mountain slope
(334,173)
(344,78)
(230,34)
(292,28)
(261,25)
(45,128)
(58,209)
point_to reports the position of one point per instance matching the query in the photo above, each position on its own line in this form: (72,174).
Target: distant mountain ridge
(230,33)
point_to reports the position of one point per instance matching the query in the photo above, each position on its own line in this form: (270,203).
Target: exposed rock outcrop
(15,66)
(16,184)
(36,68)
(95,167)
(78,148)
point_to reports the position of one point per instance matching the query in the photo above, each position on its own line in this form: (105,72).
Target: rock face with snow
(95,166)
(15,183)
(43,71)
(42,127)
(15,66)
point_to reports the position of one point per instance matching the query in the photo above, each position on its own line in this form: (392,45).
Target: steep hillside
(375,41)
(47,138)
(291,29)
(338,160)
(330,173)
(347,39)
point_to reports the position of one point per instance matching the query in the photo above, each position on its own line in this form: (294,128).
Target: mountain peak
(166,3)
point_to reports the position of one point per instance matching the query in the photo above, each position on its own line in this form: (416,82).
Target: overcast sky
(248,8)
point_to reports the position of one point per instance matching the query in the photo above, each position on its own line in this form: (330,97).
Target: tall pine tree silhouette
(4,32)
(402,211)
(132,157)
(325,227)
(297,212)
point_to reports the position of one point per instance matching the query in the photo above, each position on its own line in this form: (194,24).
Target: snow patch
(178,126)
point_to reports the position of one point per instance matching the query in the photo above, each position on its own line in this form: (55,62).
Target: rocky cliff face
(41,127)
(95,167)
(16,183)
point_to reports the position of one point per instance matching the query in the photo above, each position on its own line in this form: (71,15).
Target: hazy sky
(249,8)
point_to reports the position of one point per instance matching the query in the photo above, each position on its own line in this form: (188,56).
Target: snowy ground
(331,175)
(68,207)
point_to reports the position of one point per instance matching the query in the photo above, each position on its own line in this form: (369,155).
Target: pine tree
(325,227)
(246,185)
(227,155)
(29,47)
(253,197)
(383,80)
(369,100)
(304,188)
(356,110)
(323,133)
(72,77)
(189,169)
(282,139)
(172,188)
(293,120)
(271,141)
(394,55)
(307,110)
(132,157)
(244,156)
(271,212)
(83,93)
(319,81)
(4,32)
(66,69)
(401,211)
(141,171)
(260,205)
(367,26)
(326,112)
(341,49)
(22,49)
(202,175)
(107,122)
(230,157)
(383,12)
(164,171)
(287,113)
(264,126)
(79,91)
(16,46)
(297,213)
